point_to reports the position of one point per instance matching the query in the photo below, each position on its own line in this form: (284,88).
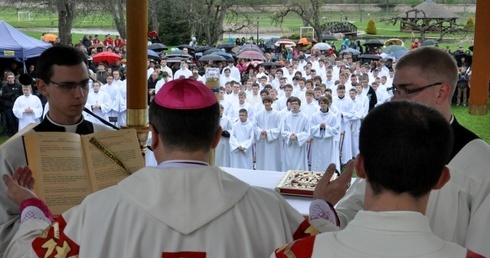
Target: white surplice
(268,149)
(295,156)
(222,152)
(21,104)
(242,135)
(323,150)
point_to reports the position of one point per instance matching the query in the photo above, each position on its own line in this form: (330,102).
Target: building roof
(432,11)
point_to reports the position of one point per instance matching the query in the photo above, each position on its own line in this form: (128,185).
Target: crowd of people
(302,114)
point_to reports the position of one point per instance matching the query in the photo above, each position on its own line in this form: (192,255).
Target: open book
(67,166)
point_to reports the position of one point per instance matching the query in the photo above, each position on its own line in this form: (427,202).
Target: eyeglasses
(71,85)
(404,91)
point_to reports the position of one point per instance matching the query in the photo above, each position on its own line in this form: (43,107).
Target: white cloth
(242,135)
(21,104)
(235,109)
(323,150)
(123,87)
(234,73)
(295,156)
(254,99)
(182,72)
(359,111)
(98,98)
(345,106)
(223,79)
(222,152)
(197,209)
(379,234)
(114,92)
(268,149)
(233,99)
(308,109)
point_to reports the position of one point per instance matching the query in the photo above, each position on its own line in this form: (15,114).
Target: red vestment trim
(185,254)
(54,243)
(304,230)
(471,254)
(302,248)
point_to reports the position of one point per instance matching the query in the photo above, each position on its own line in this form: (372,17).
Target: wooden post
(480,76)
(137,56)
(212,81)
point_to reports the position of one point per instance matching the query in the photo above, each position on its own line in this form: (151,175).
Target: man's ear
(359,165)
(443,179)
(444,93)
(42,87)
(217,137)
(155,138)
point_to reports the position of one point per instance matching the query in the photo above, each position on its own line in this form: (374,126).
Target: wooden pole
(137,56)
(480,76)
(212,81)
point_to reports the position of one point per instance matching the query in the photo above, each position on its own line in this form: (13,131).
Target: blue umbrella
(228,56)
(398,54)
(152,54)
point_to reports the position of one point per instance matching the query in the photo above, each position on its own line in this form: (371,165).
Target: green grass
(478,124)
(291,23)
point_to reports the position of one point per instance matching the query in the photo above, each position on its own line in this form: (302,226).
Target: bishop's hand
(20,185)
(333,191)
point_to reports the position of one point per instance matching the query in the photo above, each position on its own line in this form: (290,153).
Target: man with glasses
(458,212)
(63,78)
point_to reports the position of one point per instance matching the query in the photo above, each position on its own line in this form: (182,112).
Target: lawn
(291,24)
(478,124)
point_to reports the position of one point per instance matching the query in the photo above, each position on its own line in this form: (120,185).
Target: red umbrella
(152,34)
(250,54)
(106,56)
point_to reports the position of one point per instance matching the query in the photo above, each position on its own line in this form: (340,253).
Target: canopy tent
(17,45)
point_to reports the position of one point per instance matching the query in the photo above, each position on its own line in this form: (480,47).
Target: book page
(124,145)
(59,169)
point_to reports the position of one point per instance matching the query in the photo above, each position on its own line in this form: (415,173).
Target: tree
(66,15)
(307,10)
(117,8)
(371,28)
(204,19)
(470,24)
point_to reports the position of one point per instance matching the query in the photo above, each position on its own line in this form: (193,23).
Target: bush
(371,28)
(470,24)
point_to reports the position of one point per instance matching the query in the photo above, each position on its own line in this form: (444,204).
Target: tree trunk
(66,14)
(119,18)
(153,15)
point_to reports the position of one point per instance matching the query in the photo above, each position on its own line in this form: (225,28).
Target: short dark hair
(408,153)
(264,91)
(185,130)
(294,99)
(57,55)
